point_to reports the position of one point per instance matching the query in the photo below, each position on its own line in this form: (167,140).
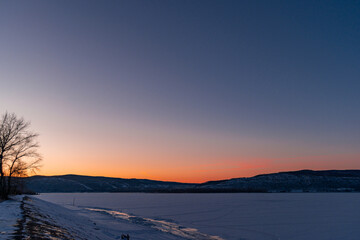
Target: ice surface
(296,216)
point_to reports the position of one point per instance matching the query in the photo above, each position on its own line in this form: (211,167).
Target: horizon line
(194,182)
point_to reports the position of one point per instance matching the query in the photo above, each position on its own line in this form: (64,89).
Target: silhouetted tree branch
(18,151)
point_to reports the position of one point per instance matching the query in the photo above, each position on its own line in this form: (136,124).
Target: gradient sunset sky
(184,90)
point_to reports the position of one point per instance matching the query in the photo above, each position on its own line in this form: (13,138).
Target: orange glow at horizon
(134,148)
(199,173)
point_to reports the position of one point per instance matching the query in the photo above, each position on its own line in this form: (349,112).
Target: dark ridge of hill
(296,181)
(77,183)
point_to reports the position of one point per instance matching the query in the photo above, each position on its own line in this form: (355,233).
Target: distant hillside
(297,181)
(77,183)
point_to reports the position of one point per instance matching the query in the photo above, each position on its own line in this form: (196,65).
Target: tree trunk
(8,190)
(2,179)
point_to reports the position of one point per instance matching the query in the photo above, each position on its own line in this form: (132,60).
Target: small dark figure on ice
(126,237)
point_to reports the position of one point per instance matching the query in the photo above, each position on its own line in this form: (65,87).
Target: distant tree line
(18,153)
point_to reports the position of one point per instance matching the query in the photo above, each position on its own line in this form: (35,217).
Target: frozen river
(292,216)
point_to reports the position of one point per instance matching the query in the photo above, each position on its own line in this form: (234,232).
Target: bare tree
(18,151)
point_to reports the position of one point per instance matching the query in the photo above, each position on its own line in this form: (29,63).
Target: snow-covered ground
(31,218)
(10,212)
(296,216)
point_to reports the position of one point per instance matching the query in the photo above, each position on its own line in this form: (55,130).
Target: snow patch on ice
(161,225)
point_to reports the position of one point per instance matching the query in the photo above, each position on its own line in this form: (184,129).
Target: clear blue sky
(185,84)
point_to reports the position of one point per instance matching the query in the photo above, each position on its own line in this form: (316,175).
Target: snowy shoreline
(29,217)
